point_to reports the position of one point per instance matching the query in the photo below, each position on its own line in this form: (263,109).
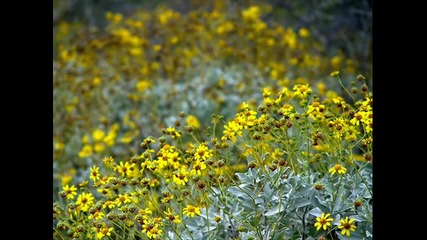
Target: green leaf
(357,218)
(317,202)
(275,210)
(237,192)
(338,203)
(301,202)
(317,212)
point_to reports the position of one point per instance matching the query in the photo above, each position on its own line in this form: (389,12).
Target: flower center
(337,167)
(347,226)
(154,230)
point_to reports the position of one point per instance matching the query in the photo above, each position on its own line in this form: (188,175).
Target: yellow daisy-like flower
(338,168)
(180,177)
(96,215)
(347,226)
(125,169)
(104,231)
(122,198)
(191,210)
(173,132)
(302,90)
(171,217)
(70,191)
(94,173)
(203,152)
(323,221)
(198,166)
(85,201)
(108,161)
(145,211)
(154,232)
(109,204)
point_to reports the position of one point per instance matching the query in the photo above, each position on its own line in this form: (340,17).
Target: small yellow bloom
(323,221)
(108,161)
(192,121)
(191,210)
(180,177)
(203,152)
(71,191)
(86,151)
(96,215)
(302,90)
(104,231)
(85,139)
(338,168)
(142,85)
(304,32)
(127,138)
(173,132)
(99,147)
(59,145)
(335,73)
(122,198)
(171,217)
(109,204)
(98,135)
(157,47)
(110,139)
(96,81)
(347,226)
(85,201)
(125,169)
(154,232)
(94,173)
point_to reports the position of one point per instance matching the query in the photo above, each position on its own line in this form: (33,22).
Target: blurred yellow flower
(98,135)
(142,85)
(192,121)
(86,151)
(335,73)
(304,32)
(59,145)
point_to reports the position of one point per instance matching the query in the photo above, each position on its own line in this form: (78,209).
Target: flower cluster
(264,144)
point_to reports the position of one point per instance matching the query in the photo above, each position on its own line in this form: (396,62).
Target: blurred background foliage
(124,70)
(344,25)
